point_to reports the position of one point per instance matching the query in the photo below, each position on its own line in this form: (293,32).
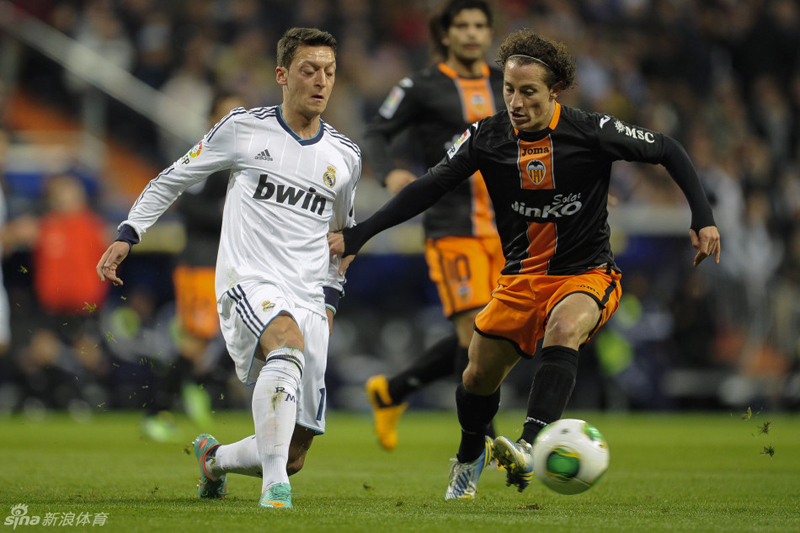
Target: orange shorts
(196,300)
(522,304)
(465,270)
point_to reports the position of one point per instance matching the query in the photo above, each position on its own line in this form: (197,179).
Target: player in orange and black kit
(547,168)
(462,247)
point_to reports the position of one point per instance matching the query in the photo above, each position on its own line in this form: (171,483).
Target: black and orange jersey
(550,188)
(436,106)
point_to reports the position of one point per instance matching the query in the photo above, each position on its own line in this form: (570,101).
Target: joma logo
(536,151)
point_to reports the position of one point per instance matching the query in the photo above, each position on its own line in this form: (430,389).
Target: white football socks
(275,411)
(237,458)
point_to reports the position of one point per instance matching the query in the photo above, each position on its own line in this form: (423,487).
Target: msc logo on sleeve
(634,133)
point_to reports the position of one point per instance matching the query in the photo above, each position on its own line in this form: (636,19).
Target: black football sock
(551,388)
(462,359)
(474,414)
(436,363)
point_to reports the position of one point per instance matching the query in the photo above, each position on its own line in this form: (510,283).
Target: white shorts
(244,312)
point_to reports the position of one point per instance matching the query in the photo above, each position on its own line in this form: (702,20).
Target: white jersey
(284,195)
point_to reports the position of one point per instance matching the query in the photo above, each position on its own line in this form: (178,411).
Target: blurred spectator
(247,68)
(67,239)
(100,29)
(694,324)
(190,84)
(772,115)
(63,341)
(753,252)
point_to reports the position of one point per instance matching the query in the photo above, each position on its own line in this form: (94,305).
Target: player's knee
(565,331)
(477,380)
(282,331)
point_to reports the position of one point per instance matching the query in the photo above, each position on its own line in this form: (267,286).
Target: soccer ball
(569,455)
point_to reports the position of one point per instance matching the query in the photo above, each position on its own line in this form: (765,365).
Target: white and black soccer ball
(570,455)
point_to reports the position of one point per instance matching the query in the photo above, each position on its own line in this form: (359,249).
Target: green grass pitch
(669,472)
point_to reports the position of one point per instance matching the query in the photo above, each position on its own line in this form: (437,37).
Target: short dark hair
(560,65)
(296,37)
(443,18)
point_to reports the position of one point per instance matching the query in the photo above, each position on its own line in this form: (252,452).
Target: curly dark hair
(561,65)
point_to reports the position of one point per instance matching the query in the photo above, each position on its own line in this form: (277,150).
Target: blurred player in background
(292,178)
(462,247)
(200,207)
(547,168)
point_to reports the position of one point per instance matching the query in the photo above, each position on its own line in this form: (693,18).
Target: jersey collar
(311,140)
(450,73)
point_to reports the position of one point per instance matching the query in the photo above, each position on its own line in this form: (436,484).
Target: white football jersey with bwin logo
(284,195)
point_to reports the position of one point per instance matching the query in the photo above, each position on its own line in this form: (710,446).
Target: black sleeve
(680,167)
(633,143)
(394,116)
(412,200)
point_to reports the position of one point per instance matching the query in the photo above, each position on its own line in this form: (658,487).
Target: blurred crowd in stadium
(721,76)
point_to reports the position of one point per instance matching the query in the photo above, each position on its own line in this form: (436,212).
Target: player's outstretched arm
(107,266)
(415,198)
(707,243)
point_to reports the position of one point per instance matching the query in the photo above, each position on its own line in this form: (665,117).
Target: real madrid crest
(329,178)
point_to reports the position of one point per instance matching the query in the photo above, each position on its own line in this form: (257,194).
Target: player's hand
(397,179)
(329,314)
(107,266)
(345,263)
(706,243)
(336,243)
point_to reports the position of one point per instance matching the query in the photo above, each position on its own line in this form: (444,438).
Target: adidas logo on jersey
(264,156)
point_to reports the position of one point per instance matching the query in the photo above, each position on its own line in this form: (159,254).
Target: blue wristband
(129,235)
(332,297)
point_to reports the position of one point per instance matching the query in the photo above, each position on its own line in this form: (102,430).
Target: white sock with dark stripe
(237,458)
(275,411)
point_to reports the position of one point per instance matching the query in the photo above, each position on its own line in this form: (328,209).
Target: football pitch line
(669,472)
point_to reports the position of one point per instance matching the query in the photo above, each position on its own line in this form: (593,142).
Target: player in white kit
(292,180)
